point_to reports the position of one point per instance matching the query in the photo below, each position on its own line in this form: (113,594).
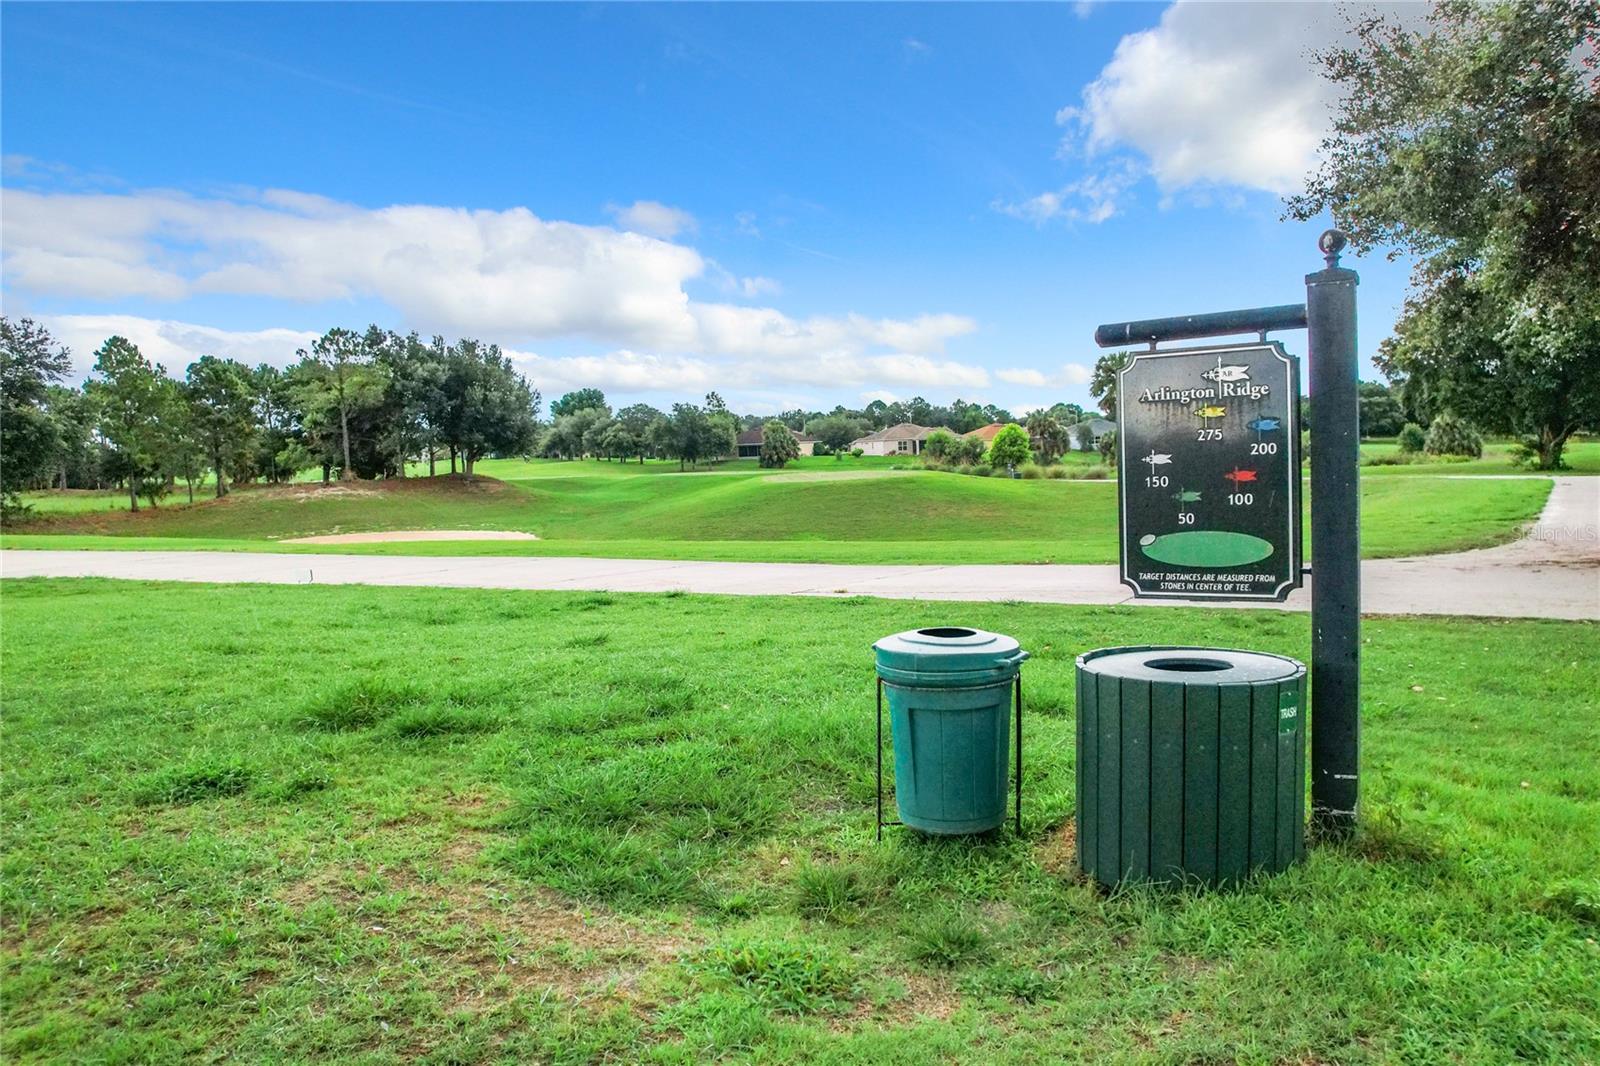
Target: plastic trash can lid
(1187,664)
(948,649)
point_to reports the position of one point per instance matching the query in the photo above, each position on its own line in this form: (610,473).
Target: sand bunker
(411,534)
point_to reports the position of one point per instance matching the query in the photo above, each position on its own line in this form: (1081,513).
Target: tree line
(355,404)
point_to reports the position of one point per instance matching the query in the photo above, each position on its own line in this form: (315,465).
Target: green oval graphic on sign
(1206,547)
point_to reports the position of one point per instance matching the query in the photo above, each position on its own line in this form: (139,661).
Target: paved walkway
(1552,573)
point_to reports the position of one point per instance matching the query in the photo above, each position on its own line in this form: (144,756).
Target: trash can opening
(1187,666)
(948,632)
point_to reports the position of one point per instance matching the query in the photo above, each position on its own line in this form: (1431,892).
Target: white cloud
(1220,93)
(748,287)
(752,287)
(1084,8)
(621,371)
(508,275)
(1092,198)
(1069,374)
(172,344)
(175,344)
(653,219)
(1022,376)
(765,333)
(880,394)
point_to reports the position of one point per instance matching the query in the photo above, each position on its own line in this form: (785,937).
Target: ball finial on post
(1332,242)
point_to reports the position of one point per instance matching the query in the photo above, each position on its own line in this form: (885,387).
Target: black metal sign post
(1248,546)
(1335,544)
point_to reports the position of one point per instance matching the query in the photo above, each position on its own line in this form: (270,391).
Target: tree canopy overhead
(1473,144)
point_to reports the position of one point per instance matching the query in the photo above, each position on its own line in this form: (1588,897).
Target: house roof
(1098,425)
(902,431)
(753,435)
(985,433)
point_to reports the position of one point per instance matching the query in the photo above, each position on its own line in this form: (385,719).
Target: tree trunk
(430,460)
(222,484)
(191,491)
(347,474)
(327,472)
(466,463)
(133,494)
(63,477)
(452,458)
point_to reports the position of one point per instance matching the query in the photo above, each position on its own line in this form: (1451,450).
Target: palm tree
(1048,435)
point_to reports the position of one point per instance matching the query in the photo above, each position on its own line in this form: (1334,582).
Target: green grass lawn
(308,824)
(800,517)
(1582,456)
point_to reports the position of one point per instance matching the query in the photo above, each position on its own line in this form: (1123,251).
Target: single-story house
(1098,427)
(903,439)
(986,433)
(749,443)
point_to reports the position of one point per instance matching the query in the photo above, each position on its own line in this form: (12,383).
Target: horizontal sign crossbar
(1189,327)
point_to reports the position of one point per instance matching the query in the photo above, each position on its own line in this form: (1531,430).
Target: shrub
(939,444)
(1449,434)
(1108,447)
(857,452)
(1031,471)
(967,450)
(1056,473)
(1394,459)
(1411,439)
(1094,473)
(778,445)
(1010,446)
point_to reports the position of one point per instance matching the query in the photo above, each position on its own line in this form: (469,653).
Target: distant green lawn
(800,517)
(272,824)
(1582,456)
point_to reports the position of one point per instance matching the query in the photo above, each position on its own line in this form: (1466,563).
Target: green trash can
(1191,764)
(949,691)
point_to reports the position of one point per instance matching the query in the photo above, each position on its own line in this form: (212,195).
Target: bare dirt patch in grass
(489,938)
(412,534)
(1059,852)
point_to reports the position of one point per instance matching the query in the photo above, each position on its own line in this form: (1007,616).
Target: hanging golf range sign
(1208,473)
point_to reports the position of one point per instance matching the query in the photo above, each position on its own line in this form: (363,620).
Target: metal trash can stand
(949,691)
(1191,764)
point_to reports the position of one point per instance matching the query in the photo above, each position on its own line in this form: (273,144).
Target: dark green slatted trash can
(1191,764)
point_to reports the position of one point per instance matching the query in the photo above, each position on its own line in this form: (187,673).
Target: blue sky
(797,205)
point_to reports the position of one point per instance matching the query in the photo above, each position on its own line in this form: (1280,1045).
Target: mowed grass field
(1581,457)
(270,824)
(812,514)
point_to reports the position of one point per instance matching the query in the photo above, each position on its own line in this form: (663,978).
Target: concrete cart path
(1552,573)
